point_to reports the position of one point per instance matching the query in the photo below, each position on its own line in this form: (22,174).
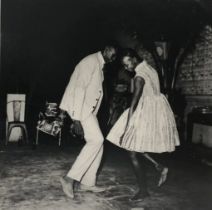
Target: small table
(197,116)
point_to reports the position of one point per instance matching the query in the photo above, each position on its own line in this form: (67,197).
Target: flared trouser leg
(87,163)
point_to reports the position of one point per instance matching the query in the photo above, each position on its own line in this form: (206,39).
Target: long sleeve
(79,92)
(75,92)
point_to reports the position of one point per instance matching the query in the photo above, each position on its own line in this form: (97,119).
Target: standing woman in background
(148,125)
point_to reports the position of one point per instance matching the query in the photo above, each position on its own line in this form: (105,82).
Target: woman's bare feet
(163,176)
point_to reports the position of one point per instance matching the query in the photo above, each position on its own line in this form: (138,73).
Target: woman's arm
(138,89)
(139,83)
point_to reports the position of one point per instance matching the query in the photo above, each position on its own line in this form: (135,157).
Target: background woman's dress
(152,127)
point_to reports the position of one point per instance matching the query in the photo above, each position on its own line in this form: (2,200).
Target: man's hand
(62,115)
(76,128)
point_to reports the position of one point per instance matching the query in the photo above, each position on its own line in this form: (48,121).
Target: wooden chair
(49,123)
(15,115)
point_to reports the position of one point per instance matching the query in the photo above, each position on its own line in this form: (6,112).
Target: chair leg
(20,141)
(27,137)
(8,133)
(24,130)
(7,136)
(37,134)
(59,138)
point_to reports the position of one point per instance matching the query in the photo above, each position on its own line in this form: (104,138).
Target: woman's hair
(130,53)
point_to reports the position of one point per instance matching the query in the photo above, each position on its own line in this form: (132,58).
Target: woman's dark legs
(140,172)
(160,168)
(148,157)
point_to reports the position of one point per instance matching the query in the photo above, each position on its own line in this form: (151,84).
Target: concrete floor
(30,181)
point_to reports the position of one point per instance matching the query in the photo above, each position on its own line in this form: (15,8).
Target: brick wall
(195,75)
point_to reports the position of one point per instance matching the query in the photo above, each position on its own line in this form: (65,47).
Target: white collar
(100,58)
(140,65)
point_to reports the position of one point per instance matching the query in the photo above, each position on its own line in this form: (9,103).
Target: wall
(195,76)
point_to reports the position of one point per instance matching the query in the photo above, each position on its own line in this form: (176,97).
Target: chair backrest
(49,123)
(16,107)
(51,109)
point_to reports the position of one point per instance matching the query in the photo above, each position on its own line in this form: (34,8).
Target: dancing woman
(148,125)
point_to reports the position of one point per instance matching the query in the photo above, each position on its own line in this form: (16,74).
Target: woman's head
(130,59)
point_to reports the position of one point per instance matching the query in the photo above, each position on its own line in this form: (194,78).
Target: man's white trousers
(87,163)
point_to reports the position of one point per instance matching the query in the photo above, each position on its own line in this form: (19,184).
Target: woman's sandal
(163,176)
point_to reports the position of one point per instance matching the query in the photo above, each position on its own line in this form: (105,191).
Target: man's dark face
(109,54)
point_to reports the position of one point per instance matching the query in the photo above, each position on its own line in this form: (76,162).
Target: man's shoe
(92,188)
(67,188)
